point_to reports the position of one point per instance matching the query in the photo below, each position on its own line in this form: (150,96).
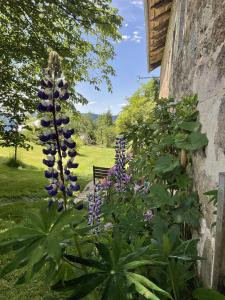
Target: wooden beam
(155,65)
(158,38)
(161,25)
(160,3)
(155,33)
(158,46)
(165,13)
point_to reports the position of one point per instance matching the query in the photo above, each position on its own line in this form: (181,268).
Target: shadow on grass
(81,155)
(10,163)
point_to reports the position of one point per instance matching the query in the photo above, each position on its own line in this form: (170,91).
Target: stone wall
(194,63)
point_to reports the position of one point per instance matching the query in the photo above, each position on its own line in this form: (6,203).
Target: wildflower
(105,183)
(94,207)
(56,136)
(148,215)
(126,178)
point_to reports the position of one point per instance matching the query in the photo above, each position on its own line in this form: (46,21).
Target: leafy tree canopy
(80,31)
(139,108)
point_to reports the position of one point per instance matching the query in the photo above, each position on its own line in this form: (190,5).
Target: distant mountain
(95,116)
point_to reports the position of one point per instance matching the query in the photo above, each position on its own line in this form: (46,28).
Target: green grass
(22,190)
(29,182)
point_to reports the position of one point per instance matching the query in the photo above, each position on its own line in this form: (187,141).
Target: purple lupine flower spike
(120,167)
(56,136)
(94,207)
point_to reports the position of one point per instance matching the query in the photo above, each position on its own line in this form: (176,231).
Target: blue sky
(130,62)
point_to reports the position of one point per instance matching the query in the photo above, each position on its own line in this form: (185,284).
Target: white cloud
(136,37)
(122,104)
(126,25)
(91,103)
(138,3)
(126,37)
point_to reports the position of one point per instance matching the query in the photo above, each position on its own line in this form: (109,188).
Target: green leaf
(86,262)
(166,245)
(104,253)
(22,233)
(191,142)
(207,294)
(53,247)
(36,257)
(190,126)
(64,286)
(36,268)
(21,258)
(139,263)
(115,289)
(87,287)
(198,140)
(213,194)
(141,289)
(116,247)
(160,196)
(166,163)
(149,284)
(134,255)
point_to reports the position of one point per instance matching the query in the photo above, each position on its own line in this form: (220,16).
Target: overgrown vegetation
(141,246)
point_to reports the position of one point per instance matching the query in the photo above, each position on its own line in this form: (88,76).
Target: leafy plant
(207,294)
(43,238)
(114,273)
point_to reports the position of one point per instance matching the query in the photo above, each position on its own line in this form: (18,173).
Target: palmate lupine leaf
(112,273)
(43,236)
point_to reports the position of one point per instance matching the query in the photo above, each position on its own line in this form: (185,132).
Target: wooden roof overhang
(157,13)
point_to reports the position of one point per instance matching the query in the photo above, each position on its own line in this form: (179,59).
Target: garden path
(89,188)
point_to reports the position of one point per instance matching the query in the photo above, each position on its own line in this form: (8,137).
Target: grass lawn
(30,182)
(22,190)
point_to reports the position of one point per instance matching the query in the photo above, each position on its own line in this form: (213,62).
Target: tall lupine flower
(94,207)
(60,149)
(120,164)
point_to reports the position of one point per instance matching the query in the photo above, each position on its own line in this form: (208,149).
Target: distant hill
(95,116)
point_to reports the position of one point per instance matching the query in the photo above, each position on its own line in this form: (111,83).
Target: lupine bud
(65,96)
(80,206)
(56,94)
(72,178)
(60,83)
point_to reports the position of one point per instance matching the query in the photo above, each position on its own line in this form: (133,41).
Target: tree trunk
(15,153)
